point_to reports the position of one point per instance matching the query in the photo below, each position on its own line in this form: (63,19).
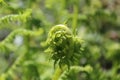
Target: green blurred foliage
(23,57)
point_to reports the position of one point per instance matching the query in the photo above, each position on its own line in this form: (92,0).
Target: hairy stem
(58,72)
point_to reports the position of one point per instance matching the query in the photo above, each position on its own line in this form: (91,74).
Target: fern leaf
(16,17)
(70,75)
(11,36)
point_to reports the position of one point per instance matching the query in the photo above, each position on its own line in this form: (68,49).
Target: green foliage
(27,31)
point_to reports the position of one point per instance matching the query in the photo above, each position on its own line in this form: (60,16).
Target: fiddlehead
(65,49)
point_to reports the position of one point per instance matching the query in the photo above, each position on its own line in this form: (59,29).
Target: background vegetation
(24,26)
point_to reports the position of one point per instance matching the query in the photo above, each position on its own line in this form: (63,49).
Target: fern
(19,60)
(13,67)
(65,49)
(11,36)
(70,75)
(16,17)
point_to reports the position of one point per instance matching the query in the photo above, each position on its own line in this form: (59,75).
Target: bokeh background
(97,23)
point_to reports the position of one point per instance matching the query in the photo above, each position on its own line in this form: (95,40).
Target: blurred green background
(97,23)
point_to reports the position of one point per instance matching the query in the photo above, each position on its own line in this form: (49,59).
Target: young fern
(16,17)
(13,67)
(4,45)
(64,47)
(70,75)
(20,59)
(11,36)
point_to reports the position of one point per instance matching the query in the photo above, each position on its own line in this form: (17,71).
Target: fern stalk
(75,18)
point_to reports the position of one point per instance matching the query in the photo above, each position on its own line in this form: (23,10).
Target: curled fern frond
(16,17)
(74,70)
(65,49)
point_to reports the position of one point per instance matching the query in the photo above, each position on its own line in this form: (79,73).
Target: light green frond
(22,32)
(16,17)
(70,75)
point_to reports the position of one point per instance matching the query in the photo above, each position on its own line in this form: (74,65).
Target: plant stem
(75,18)
(57,74)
